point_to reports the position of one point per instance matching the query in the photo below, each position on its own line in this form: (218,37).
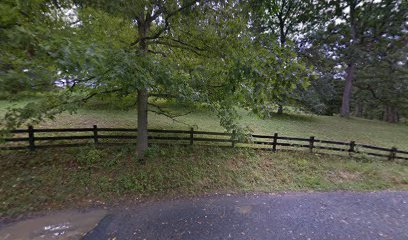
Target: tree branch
(161,95)
(180,46)
(162,10)
(167,16)
(163,112)
(98,93)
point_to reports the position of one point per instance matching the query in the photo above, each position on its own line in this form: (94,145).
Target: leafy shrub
(154,151)
(89,157)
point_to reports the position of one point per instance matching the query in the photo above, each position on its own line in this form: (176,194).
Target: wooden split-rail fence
(33,138)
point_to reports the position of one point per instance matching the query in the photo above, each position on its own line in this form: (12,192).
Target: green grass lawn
(83,177)
(365,131)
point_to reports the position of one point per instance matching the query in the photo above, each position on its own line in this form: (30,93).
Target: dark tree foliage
(198,52)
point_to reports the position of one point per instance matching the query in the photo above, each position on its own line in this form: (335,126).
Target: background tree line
(346,57)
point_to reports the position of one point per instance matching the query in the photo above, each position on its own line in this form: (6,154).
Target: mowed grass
(83,177)
(365,131)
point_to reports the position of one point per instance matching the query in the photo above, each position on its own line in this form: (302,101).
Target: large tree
(285,22)
(192,51)
(349,30)
(354,36)
(382,77)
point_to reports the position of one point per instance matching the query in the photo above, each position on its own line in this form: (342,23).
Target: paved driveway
(332,215)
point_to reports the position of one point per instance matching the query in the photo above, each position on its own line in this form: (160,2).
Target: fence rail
(35,139)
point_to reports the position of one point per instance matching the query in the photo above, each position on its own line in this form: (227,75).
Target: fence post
(393,154)
(233,138)
(275,142)
(352,147)
(31,138)
(191,136)
(311,143)
(95,134)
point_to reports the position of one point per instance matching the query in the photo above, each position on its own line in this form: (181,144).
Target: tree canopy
(224,55)
(191,51)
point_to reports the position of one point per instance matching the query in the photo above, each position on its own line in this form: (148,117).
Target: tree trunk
(359,110)
(142,94)
(391,114)
(385,113)
(282,44)
(345,104)
(142,137)
(280,109)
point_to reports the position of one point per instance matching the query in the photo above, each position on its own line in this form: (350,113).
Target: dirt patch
(342,176)
(63,225)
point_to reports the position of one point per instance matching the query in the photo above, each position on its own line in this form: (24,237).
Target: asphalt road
(332,215)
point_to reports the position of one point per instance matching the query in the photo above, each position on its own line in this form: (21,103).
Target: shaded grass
(60,178)
(364,131)
(79,177)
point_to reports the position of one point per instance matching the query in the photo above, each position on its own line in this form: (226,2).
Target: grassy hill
(89,176)
(295,124)
(83,177)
